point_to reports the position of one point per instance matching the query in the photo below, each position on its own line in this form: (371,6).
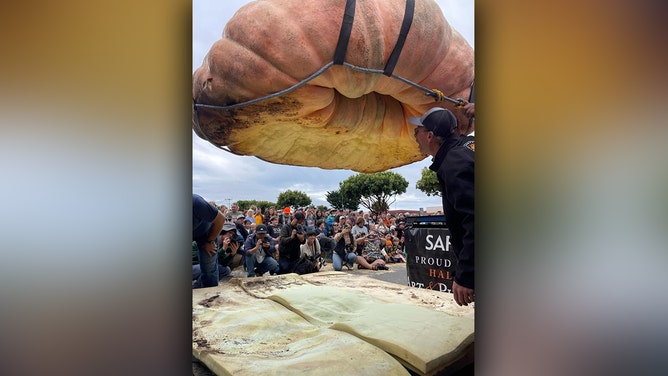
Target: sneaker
(382,267)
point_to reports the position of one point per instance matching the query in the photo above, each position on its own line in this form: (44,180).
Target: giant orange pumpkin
(343,118)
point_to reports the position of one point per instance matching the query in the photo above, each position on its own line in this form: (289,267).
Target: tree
(339,201)
(374,191)
(293,198)
(428,183)
(246,204)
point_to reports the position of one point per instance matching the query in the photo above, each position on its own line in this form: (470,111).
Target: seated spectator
(240,226)
(310,260)
(269,213)
(327,244)
(258,253)
(359,228)
(310,219)
(380,227)
(292,237)
(250,215)
(344,250)
(364,259)
(393,249)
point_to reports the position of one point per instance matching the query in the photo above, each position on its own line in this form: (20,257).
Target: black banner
(430,261)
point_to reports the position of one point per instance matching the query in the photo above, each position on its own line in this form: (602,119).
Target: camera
(265,240)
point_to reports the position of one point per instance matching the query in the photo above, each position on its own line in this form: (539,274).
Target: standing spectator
(259,218)
(259,253)
(453,162)
(234,212)
(208,221)
(331,219)
(292,236)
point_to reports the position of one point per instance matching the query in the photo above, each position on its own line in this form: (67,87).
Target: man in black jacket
(453,163)
(292,237)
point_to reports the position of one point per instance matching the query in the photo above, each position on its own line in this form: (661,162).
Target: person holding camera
(310,260)
(292,237)
(258,253)
(345,249)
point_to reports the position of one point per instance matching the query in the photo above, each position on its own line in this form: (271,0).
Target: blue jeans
(223,271)
(338,263)
(286,266)
(267,265)
(208,266)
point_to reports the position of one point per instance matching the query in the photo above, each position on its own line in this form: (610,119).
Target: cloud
(219,175)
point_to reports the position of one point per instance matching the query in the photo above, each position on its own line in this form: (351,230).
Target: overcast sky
(225,177)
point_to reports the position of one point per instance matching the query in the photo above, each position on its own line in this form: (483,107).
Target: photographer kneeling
(344,250)
(258,253)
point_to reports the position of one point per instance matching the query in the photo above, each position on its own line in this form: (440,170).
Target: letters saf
(439,244)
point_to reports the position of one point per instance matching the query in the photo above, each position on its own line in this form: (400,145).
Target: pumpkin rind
(342,119)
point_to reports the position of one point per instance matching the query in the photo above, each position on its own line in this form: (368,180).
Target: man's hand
(210,248)
(463,295)
(234,246)
(469,109)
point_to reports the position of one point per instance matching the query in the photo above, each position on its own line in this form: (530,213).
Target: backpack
(304,266)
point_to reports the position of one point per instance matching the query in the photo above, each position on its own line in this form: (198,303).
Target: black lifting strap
(405,27)
(344,34)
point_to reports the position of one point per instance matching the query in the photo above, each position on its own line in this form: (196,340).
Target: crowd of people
(301,241)
(297,241)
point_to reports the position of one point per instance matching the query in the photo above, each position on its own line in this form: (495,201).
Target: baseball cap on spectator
(261,229)
(228,227)
(286,210)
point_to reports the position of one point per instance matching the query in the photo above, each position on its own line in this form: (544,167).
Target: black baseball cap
(261,229)
(439,120)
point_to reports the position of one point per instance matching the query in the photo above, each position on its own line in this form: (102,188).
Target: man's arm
(217,225)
